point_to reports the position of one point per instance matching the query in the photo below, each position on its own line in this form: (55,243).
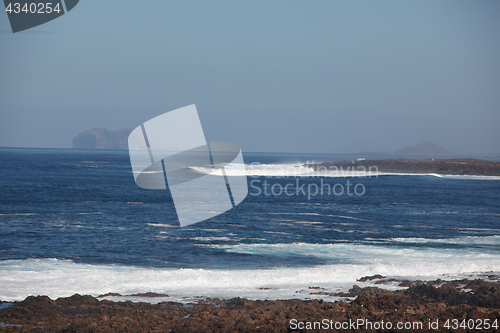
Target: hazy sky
(283,76)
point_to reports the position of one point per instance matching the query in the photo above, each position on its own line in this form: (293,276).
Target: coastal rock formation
(98,138)
(471,302)
(425,149)
(452,166)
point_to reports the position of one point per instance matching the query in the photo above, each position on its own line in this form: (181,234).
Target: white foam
(466,259)
(211,239)
(465,240)
(300,170)
(460,177)
(63,278)
(293,170)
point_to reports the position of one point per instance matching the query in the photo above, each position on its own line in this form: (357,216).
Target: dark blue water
(84,206)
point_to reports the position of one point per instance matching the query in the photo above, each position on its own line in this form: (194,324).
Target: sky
(318,76)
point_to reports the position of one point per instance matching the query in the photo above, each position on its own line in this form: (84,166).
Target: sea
(74,221)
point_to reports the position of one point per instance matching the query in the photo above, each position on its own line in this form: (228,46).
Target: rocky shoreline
(452,166)
(470,302)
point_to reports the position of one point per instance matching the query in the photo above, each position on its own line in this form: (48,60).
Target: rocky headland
(452,166)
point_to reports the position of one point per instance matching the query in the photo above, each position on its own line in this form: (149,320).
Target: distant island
(425,149)
(452,166)
(99,138)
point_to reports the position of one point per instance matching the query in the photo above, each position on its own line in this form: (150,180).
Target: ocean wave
(300,170)
(465,240)
(62,278)
(280,170)
(395,250)
(295,170)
